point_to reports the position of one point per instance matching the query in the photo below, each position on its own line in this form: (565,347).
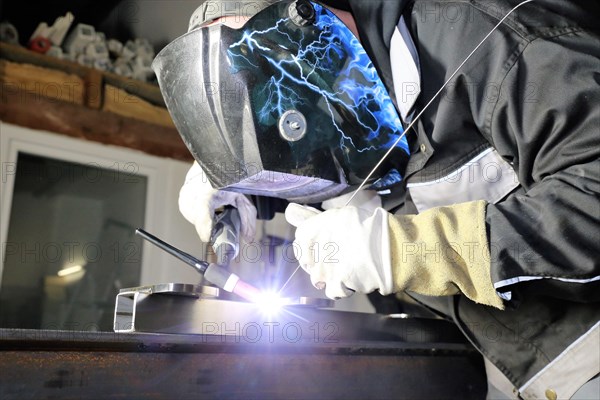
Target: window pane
(71,243)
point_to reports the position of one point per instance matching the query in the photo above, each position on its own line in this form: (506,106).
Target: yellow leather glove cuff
(443,251)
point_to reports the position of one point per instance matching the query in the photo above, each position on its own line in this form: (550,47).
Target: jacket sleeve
(547,122)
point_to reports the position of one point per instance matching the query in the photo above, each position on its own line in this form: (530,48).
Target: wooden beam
(39,81)
(120,102)
(32,110)
(93,89)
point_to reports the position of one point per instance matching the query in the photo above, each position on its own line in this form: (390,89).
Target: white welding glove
(198,202)
(441,252)
(344,249)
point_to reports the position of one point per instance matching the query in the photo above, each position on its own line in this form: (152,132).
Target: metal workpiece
(127,299)
(182,289)
(187,310)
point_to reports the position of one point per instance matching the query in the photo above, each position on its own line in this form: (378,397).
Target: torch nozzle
(214,273)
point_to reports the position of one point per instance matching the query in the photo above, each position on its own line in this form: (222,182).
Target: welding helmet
(289,105)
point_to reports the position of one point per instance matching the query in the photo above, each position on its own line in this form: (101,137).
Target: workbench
(39,364)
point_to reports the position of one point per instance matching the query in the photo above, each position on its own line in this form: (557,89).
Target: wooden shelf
(143,90)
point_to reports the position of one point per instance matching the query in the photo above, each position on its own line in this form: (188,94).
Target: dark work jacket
(532,94)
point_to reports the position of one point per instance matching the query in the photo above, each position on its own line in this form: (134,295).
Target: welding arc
(364,182)
(199,265)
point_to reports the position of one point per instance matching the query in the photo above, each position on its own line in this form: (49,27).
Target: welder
(486,211)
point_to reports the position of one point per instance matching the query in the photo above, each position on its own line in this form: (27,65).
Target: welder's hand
(440,252)
(344,249)
(198,202)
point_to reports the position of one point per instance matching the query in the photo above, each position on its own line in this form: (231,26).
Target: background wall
(257,262)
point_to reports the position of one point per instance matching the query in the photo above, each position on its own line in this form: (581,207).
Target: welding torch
(214,273)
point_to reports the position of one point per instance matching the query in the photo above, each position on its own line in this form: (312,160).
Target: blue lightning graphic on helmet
(320,64)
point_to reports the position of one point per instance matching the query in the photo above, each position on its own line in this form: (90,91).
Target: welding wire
(199,265)
(364,182)
(289,279)
(287,310)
